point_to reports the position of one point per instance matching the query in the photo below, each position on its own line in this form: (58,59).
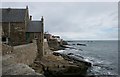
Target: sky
(75,20)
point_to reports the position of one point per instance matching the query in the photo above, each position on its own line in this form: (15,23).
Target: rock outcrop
(64,42)
(57,66)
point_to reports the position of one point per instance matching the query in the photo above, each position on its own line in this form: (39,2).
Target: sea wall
(23,53)
(17,61)
(26,53)
(10,67)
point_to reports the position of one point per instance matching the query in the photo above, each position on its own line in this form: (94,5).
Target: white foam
(59,51)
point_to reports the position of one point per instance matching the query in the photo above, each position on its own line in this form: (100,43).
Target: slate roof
(13,15)
(35,26)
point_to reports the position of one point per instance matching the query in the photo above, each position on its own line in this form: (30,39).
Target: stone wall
(17,61)
(46,48)
(23,53)
(40,45)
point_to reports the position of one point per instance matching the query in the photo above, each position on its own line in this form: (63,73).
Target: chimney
(9,9)
(30,17)
(42,19)
(26,7)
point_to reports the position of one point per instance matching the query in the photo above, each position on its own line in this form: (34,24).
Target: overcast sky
(76,20)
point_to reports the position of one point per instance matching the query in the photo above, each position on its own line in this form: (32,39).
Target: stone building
(18,28)
(47,36)
(14,25)
(35,30)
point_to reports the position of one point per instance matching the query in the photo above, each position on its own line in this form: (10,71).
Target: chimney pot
(9,9)
(26,7)
(30,17)
(42,19)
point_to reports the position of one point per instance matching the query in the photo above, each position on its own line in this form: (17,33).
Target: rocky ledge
(56,66)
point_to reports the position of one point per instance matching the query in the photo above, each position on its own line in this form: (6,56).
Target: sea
(102,54)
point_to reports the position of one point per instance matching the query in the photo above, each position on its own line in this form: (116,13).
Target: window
(4,39)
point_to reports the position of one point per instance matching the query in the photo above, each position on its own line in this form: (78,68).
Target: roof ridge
(13,8)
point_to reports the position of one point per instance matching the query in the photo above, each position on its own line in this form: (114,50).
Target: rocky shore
(52,65)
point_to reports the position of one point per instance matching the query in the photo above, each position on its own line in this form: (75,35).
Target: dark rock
(73,44)
(70,54)
(64,43)
(80,49)
(69,71)
(56,54)
(66,46)
(81,44)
